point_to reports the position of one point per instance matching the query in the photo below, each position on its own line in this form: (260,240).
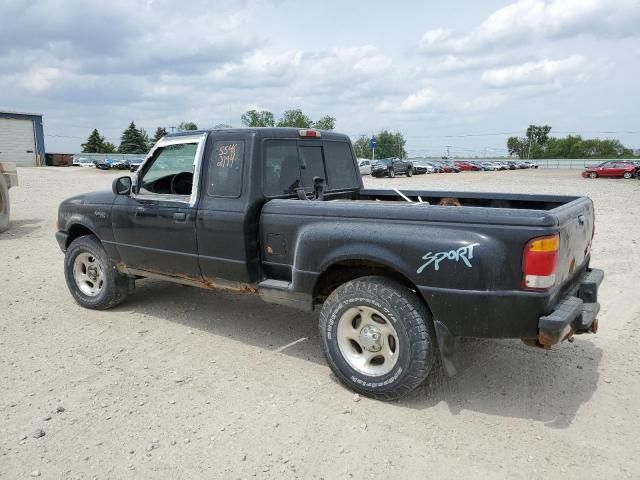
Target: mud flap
(449,347)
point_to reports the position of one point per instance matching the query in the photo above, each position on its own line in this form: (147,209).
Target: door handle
(180,217)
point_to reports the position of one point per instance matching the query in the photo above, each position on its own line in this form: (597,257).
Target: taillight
(309,133)
(539,262)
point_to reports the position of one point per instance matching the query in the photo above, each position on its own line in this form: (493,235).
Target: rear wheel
(593,175)
(92,277)
(377,337)
(410,172)
(5,207)
(392,173)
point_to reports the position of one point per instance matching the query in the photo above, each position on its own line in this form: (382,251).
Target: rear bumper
(575,313)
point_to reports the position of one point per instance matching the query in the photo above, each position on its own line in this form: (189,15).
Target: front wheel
(627,175)
(392,173)
(378,337)
(593,175)
(92,277)
(410,172)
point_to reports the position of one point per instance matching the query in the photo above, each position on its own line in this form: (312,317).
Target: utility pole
(448,147)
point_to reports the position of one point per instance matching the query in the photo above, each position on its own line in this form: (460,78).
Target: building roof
(26,114)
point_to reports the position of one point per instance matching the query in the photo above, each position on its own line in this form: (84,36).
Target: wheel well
(76,231)
(347,270)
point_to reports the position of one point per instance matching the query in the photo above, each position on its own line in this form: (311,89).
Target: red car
(465,166)
(612,168)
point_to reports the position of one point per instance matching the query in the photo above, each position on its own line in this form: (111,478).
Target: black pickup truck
(390,167)
(283,213)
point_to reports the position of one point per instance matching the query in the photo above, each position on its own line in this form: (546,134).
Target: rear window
(341,171)
(290,164)
(225,169)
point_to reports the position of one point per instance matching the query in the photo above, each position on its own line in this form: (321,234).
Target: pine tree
(160,132)
(132,141)
(94,143)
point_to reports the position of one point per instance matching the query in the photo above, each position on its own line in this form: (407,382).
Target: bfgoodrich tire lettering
(416,346)
(115,286)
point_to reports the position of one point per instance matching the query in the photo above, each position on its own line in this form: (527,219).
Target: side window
(312,165)
(281,173)
(225,169)
(340,166)
(171,172)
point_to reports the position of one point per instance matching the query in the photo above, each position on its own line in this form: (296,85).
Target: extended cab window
(171,171)
(225,169)
(281,167)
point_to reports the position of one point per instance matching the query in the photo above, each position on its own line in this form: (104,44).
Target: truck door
(227,223)
(154,228)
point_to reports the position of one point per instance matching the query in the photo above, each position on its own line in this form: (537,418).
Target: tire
(350,310)
(410,172)
(103,287)
(5,205)
(392,173)
(593,175)
(627,175)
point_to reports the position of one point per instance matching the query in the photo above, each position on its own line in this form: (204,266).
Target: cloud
(543,72)
(527,20)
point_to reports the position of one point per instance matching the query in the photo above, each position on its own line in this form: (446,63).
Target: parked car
(104,164)
(234,210)
(120,164)
(501,166)
(465,166)
(530,164)
(512,165)
(447,167)
(611,169)
(489,166)
(420,167)
(365,166)
(82,162)
(390,167)
(134,165)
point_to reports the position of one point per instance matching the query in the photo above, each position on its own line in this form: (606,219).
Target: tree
(160,132)
(221,126)
(94,143)
(133,140)
(147,140)
(538,144)
(184,126)
(533,146)
(294,118)
(325,123)
(388,145)
(255,118)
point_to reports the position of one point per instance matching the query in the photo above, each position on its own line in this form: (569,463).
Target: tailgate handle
(581,219)
(180,217)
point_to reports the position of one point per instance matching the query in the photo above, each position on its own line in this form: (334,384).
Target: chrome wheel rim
(368,341)
(88,274)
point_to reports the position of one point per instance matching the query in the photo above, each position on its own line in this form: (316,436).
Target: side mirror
(121,186)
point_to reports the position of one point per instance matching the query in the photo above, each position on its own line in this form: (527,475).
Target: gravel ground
(184,383)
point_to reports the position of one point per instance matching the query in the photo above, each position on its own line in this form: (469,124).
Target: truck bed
(482,296)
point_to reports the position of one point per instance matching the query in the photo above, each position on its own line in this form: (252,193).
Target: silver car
(365,166)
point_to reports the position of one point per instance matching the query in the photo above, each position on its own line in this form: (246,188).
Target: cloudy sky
(460,73)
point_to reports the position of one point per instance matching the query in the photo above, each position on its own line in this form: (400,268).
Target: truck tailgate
(576,222)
